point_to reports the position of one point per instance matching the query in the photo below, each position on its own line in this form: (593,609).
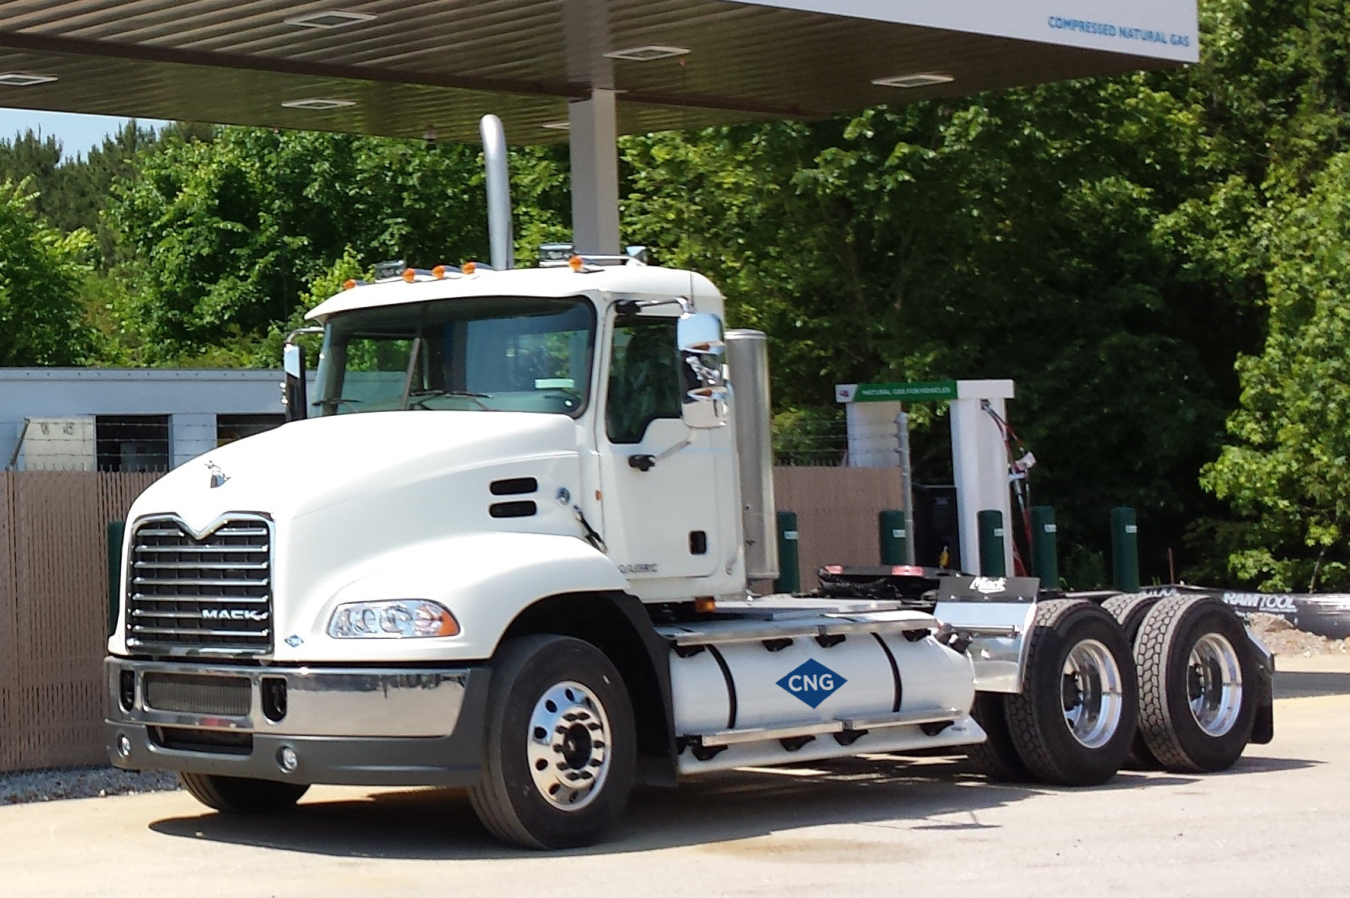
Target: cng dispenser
(979,450)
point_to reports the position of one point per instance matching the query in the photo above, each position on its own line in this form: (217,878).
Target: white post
(594,135)
(980,464)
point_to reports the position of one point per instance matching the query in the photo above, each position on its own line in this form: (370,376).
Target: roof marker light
(349,284)
(918,79)
(24,79)
(438,272)
(468,268)
(329,18)
(576,263)
(318,104)
(410,274)
(647,53)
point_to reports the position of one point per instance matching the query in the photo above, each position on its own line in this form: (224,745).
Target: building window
(132,442)
(235,427)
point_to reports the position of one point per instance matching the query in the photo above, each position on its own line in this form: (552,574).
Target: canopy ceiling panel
(406,67)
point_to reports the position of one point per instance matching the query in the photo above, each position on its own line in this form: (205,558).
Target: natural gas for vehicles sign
(1162,29)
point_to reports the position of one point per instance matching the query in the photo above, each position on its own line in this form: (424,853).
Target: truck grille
(210,594)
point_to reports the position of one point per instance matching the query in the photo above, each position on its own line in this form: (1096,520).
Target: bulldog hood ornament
(218,477)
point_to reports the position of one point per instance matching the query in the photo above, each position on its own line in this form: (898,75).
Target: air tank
(748,364)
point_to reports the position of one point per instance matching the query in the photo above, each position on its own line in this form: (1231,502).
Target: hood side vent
(516,486)
(513,509)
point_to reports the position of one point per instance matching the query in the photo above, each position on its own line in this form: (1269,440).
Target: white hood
(351,495)
(308,466)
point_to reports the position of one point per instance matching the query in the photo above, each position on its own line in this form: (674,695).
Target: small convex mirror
(293,388)
(703,386)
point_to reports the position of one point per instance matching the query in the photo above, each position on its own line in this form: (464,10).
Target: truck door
(658,476)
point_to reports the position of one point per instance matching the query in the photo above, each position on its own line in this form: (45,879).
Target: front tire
(1075,717)
(238,795)
(1196,676)
(561,745)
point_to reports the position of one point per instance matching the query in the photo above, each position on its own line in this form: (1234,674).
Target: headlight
(392,619)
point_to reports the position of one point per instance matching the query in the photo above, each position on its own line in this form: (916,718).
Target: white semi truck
(509,547)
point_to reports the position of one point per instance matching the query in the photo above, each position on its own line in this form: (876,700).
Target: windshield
(507,353)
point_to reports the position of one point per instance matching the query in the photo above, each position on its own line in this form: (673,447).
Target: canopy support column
(593,129)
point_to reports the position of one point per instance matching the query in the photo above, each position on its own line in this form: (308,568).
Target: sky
(77,133)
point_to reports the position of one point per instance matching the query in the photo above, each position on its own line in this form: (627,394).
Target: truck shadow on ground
(729,809)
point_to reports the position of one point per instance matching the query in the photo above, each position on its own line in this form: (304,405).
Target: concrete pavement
(1275,825)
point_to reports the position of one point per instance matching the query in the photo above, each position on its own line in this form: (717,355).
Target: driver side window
(644,377)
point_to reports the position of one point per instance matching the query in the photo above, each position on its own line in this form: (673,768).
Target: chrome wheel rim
(1214,684)
(568,746)
(1092,693)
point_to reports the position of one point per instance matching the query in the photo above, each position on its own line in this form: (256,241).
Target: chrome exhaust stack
(500,239)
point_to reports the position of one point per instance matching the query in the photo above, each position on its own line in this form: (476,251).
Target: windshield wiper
(332,402)
(417,398)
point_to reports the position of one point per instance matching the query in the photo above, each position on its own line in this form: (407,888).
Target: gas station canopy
(414,69)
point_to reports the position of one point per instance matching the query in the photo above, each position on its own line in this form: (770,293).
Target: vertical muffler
(500,239)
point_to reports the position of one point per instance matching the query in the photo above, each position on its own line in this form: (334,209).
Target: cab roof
(602,283)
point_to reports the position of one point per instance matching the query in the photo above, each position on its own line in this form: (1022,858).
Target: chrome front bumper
(366,726)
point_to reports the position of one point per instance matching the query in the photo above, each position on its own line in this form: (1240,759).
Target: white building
(128,419)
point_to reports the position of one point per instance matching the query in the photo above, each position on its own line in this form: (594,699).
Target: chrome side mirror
(294,392)
(703,383)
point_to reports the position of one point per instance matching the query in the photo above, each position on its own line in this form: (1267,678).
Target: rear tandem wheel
(1197,676)
(1074,719)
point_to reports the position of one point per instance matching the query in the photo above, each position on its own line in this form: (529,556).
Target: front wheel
(1075,717)
(561,745)
(238,795)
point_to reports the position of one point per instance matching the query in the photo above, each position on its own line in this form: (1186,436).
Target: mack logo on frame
(812,682)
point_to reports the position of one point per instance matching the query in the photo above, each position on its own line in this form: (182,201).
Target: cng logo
(812,682)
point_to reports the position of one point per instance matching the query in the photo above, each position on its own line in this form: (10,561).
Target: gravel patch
(1283,638)
(80,782)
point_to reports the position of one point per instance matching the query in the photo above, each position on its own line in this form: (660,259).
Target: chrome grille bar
(209,593)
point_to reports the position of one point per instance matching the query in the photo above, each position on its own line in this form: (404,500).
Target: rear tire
(1197,674)
(238,795)
(1075,717)
(561,756)
(1130,610)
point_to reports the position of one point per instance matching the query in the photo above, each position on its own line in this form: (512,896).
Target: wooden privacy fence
(54,586)
(53,612)
(836,513)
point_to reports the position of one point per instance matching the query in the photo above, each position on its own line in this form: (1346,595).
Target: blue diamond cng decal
(812,682)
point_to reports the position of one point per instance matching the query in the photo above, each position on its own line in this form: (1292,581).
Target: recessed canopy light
(921,79)
(24,79)
(318,103)
(329,19)
(647,53)
(557,126)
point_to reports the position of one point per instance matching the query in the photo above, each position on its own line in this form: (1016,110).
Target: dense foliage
(1159,261)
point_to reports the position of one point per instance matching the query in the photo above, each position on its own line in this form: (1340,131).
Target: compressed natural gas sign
(912,391)
(1162,29)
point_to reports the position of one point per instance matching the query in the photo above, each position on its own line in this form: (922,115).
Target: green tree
(1288,470)
(227,236)
(42,271)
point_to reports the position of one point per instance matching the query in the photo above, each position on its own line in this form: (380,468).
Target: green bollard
(992,561)
(115,531)
(892,537)
(1124,550)
(1044,553)
(789,563)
